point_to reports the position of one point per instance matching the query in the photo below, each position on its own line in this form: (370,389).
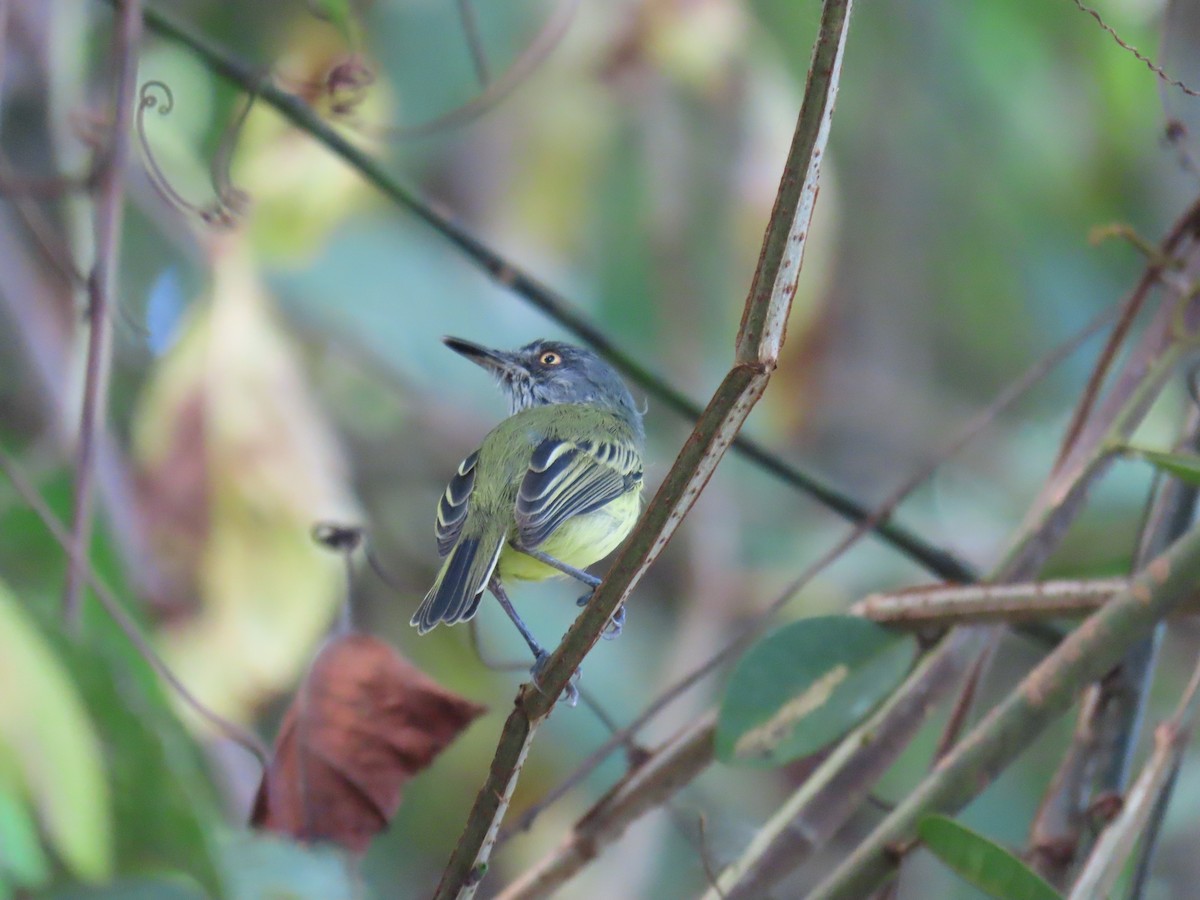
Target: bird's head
(547,372)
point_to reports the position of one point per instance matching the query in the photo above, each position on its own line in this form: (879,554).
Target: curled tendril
(231,201)
(149,97)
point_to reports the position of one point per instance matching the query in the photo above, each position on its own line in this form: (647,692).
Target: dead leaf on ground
(362,724)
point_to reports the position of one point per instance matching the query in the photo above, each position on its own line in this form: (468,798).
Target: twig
(670,767)
(757,349)
(964,435)
(470,24)
(1047,692)
(543,298)
(102,284)
(118,614)
(946,605)
(1148,794)
(1097,761)
(1149,63)
(1184,226)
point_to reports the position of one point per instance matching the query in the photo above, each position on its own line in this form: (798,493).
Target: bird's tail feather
(460,584)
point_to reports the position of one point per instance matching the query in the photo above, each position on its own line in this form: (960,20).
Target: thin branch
(669,768)
(1184,226)
(943,605)
(470,24)
(542,297)
(1149,63)
(964,435)
(124,620)
(102,286)
(759,340)
(1097,761)
(1047,692)
(1147,796)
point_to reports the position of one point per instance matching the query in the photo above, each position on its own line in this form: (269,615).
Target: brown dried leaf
(363,722)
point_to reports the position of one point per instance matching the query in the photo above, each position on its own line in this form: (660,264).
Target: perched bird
(553,488)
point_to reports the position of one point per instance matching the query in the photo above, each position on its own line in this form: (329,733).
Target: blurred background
(289,369)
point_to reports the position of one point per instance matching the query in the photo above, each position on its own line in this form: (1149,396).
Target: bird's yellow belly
(578,542)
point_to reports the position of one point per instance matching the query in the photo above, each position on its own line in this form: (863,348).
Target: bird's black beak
(498,362)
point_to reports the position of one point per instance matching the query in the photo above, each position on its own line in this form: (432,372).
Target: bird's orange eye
(550,358)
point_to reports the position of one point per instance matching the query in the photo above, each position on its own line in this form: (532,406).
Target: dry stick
(542,297)
(1097,761)
(759,339)
(652,784)
(118,614)
(102,285)
(964,435)
(1130,307)
(1047,692)
(1148,794)
(834,790)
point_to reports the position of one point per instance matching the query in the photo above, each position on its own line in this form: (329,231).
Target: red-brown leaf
(363,722)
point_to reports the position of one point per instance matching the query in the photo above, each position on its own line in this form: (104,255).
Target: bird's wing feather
(570,478)
(452,509)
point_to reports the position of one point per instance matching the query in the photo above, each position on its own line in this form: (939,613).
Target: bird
(553,488)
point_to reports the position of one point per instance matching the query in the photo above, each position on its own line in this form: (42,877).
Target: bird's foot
(615,624)
(570,692)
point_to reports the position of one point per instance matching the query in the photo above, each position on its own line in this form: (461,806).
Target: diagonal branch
(759,340)
(1046,693)
(541,296)
(102,285)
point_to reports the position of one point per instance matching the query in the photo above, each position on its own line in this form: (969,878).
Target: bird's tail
(460,584)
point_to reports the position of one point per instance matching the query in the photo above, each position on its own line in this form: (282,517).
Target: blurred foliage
(290,370)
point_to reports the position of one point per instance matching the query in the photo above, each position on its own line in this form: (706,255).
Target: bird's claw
(570,692)
(615,624)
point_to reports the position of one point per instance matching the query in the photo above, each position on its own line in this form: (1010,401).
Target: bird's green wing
(452,508)
(570,478)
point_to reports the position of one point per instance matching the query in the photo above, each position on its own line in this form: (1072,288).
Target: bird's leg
(539,653)
(587,578)
(614,626)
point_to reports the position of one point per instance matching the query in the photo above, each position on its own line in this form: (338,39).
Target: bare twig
(946,605)
(1148,794)
(102,283)
(757,349)
(542,297)
(1047,692)
(470,24)
(669,768)
(1097,761)
(1149,63)
(118,614)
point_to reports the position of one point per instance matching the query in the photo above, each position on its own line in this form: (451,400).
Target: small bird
(553,488)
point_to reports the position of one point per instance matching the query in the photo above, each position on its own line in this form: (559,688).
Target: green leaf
(805,685)
(983,863)
(1184,466)
(259,865)
(164,809)
(22,860)
(49,748)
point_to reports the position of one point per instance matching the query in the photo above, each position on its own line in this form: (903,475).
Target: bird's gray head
(547,372)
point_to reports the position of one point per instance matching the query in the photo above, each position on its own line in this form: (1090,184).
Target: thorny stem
(102,285)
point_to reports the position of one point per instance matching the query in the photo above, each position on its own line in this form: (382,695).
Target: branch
(1147,795)
(758,344)
(540,296)
(1097,762)
(669,768)
(102,284)
(1047,692)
